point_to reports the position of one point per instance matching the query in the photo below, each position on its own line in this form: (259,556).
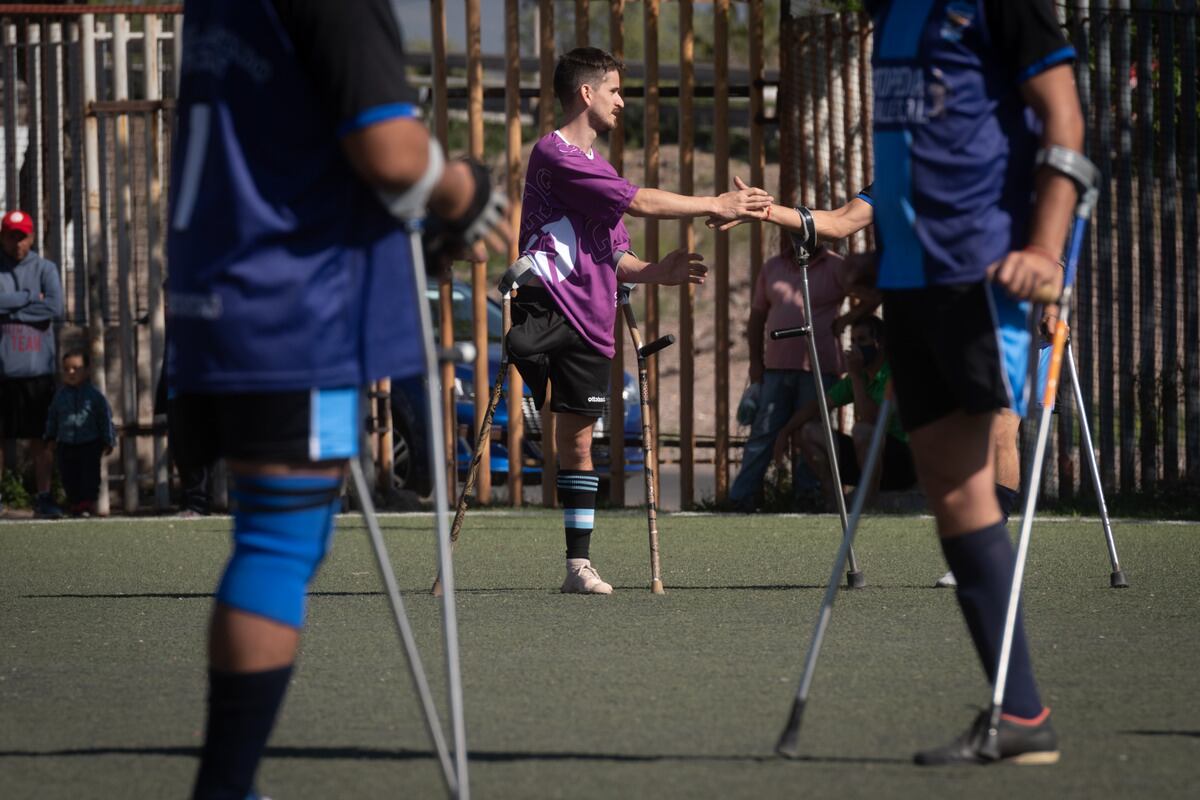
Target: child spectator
(79,427)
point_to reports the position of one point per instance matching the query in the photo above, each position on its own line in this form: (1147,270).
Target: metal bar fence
(87,110)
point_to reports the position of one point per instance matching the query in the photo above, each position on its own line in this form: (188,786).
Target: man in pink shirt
(571,225)
(781,368)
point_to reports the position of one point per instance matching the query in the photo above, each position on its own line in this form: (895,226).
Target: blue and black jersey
(286,272)
(954,140)
(865,194)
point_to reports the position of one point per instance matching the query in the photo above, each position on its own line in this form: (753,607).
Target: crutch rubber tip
(788,745)
(1117,580)
(855,580)
(656,587)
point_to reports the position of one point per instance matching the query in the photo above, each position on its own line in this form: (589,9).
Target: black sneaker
(1019,744)
(45,508)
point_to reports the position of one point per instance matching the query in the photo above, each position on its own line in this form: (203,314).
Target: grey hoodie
(30,302)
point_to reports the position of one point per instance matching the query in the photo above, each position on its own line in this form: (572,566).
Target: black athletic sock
(577,494)
(1007,498)
(241,711)
(983,563)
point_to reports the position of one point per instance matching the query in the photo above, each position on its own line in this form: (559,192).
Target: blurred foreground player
(298,155)
(965,92)
(563,321)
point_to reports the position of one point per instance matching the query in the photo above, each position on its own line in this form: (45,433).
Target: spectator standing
(864,385)
(782,369)
(79,430)
(30,303)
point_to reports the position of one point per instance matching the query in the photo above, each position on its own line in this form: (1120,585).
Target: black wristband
(806,243)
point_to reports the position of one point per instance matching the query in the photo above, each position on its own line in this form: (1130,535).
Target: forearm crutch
(457,783)
(1117,578)
(649,463)
(1079,169)
(788,744)
(854,576)
(515,276)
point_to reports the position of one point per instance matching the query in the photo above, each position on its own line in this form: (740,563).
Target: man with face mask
(867,374)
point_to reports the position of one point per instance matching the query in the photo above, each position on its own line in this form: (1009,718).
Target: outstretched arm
(836,224)
(744,203)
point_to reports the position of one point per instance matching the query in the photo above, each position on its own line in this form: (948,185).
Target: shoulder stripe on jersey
(376,114)
(1059,56)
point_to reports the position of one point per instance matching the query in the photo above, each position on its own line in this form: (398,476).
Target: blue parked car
(410,453)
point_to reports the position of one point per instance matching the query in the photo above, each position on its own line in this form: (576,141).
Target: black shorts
(899,472)
(24,403)
(544,347)
(944,344)
(298,427)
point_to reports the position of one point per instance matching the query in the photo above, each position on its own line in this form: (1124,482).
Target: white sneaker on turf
(946,580)
(582,578)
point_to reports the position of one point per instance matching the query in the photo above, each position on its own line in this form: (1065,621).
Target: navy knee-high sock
(241,712)
(1007,498)
(983,563)
(577,494)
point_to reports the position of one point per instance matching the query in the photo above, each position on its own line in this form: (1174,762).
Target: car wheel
(408,468)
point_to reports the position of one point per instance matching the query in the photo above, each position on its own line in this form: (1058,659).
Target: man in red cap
(30,303)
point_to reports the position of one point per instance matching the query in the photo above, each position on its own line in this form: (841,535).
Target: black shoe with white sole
(1019,744)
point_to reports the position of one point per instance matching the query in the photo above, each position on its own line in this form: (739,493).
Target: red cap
(17,221)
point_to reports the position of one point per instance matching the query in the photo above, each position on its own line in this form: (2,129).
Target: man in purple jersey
(571,225)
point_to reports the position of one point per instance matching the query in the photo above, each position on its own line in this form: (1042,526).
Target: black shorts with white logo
(546,349)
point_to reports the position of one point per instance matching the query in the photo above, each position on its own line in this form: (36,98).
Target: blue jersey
(286,272)
(954,141)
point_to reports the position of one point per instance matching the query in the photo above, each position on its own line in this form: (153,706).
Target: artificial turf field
(102,671)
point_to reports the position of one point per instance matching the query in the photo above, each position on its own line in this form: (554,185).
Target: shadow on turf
(1184,734)
(493,590)
(478,756)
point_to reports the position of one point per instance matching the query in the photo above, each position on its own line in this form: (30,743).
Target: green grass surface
(102,674)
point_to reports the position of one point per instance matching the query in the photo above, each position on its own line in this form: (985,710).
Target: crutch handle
(1047,293)
(658,344)
(460,353)
(791,333)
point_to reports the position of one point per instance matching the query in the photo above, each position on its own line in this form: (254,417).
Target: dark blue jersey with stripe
(954,140)
(286,272)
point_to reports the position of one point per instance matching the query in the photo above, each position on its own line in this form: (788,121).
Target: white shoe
(582,578)
(946,580)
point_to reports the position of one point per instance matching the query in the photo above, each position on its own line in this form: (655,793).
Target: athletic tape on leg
(281,531)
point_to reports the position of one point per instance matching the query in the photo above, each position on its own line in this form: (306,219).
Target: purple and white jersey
(571,225)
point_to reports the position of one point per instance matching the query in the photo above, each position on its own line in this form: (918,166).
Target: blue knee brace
(281,530)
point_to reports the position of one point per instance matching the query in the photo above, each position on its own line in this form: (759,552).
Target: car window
(464,318)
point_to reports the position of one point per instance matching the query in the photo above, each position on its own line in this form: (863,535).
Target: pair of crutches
(515,276)
(854,576)
(1085,175)
(454,768)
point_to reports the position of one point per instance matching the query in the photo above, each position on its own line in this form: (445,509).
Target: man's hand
(680,266)
(744,203)
(468,219)
(1023,273)
(783,446)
